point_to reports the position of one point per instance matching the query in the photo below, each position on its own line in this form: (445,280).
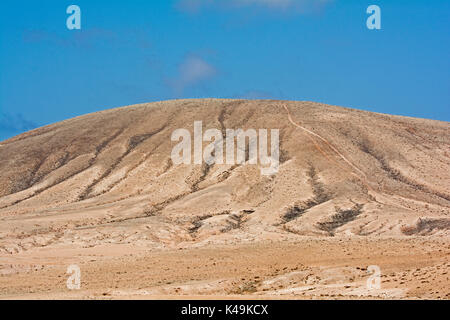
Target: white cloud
(280,5)
(192,70)
(13,124)
(255,95)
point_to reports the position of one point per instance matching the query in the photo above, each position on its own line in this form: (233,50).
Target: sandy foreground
(415,268)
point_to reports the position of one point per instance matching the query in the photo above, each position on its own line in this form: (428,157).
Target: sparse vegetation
(320,196)
(394,173)
(340,218)
(234,222)
(293,213)
(425,226)
(133,142)
(246,288)
(204,173)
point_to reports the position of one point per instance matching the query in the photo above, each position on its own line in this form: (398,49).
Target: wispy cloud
(13,124)
(88,38)
(300,6)
(255,94)
(192,71)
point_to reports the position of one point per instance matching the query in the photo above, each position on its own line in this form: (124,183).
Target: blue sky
(134,51)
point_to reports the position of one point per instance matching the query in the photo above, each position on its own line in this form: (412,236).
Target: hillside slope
(107,177)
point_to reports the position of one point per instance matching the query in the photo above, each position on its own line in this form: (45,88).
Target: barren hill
(108,178)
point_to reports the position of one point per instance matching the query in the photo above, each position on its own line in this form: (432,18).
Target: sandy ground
(416,268)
